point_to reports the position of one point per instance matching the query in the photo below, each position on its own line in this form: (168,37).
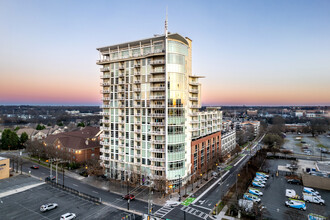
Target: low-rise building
(79,146)
(228,141)
(254,124)
(4,168)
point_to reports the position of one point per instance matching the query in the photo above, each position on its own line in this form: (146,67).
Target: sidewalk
(222,215)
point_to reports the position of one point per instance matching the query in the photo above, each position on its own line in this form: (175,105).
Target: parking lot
(26,205)
(313,144)
(274,196)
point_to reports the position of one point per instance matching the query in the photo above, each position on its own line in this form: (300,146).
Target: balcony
(193,114)
(159,115)
(157,132)
(121,83)
(193,90)
(105,69)
(194,83)
(107,165)
(157,79)
(157,159)
(193,98)
(157,97)
(194,106)
(137,73)
(105,84)
(157,106)
(106,99)
(137,89)
(162,88)
(158,168)
(195,122)
(137,66)
(162,71)
(105,136)
(137,131)
(137,97)
(105,76)
(157,62)
(121,68)
(157,150)
(105,113)
(105,106)
(194,129)
(121,137)
(137,81)
(105,91)
(157,123)
(105,128)
(137,105)
(158,141)
(121,75)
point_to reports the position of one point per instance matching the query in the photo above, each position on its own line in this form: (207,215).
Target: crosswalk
(194,212)
(163,211)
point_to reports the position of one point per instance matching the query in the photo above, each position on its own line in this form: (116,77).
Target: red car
(129,196)
(35,167)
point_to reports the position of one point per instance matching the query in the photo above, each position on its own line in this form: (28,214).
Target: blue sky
(251,52)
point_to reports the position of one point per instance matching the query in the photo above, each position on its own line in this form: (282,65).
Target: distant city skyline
(251,52)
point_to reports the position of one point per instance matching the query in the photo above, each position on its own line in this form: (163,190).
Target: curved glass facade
(177,80)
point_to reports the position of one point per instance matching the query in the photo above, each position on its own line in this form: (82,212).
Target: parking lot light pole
(63,173)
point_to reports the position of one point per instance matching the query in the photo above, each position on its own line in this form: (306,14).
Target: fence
(97,200)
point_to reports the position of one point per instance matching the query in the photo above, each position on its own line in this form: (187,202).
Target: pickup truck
(310,198)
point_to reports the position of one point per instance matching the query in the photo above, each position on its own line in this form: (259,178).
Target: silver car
(48,206)
(68,216)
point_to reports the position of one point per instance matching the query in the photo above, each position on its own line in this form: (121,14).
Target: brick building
(80,146)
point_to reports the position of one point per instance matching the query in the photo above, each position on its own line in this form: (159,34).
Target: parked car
(262,174)
(50,178)
(251,197)
(34,167)
(84,173)
(297,204)
(129,196)
(68,216)
(259,180)
(255,191)
(294,181)
(315,199)
(311,191)
(48,206)
(258,184)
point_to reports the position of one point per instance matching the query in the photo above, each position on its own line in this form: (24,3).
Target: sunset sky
(250,52)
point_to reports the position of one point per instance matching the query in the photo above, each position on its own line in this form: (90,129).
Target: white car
(258,184)
(48,206)
(68,216)
(259,180)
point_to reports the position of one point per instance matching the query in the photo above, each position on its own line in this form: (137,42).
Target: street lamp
(201,178)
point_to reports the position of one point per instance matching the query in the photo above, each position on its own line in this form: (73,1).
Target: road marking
(14,191)
(75,185)
(163,211)
(43,173)
(239,160)
(95,192)
(202,207)
(208,189)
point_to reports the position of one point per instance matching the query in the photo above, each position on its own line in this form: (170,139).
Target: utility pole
(63,174)
(56,171)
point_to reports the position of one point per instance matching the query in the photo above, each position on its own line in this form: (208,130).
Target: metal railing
(97,200)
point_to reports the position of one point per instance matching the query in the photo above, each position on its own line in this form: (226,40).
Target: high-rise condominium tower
(150,112)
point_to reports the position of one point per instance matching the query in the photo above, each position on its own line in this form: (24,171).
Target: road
(207,196)
(107,197)
(214,191)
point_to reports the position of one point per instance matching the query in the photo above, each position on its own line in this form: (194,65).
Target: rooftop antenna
(166,31)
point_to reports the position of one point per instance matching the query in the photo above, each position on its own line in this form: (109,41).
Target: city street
(211,193)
